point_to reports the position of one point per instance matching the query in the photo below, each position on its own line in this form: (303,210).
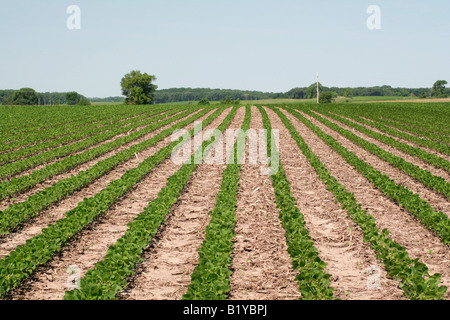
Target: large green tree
(84,102)
(204,102)
(311,92)
(347,92)
(326,97)
(296,93)
(439,90)
(25,96)
(72,98)
(138,88)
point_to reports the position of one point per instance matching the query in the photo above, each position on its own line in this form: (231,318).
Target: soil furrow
(262,267)
(412,159)
(171,258)
(412,126)
(118,122)
(40,166)
(404,229)
(55,212)
(410,143)
(435,199)
(336,236)
(416,134)
(91,245)
(77,169)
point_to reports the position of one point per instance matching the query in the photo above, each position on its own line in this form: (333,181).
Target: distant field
(105,103)
(413,100)
(383,98)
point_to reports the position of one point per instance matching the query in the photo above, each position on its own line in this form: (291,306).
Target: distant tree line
(386,91)
(28,96)
(197,94)
(108,99)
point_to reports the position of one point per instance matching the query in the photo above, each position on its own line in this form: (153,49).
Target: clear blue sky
(267,45)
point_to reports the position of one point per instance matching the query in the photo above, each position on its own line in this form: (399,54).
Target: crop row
(414,278)
(424,176)
(210,279)
(39,131)
(87,132)
(34,115)
(17,266)
(414,151)
(34,136)
(313,281)
(14,215)
(109,276)
(16,167)
(415,130)
(429,120)
(16,122)
(15,185)
(432,118)
(409,137)
(421,209)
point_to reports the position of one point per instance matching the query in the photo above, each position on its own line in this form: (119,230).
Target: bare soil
(435,199)
(337,238)
(262,267)
(412,144)
(171,258)
(91,245)
(57,211)
(406,230)
(118,122)
(412,159)
(35,168)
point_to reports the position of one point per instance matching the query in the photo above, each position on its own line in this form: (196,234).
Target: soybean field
(354,203)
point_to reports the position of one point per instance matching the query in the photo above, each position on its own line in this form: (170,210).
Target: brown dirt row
(412,159)
(67,143)
(77,169)
(171,258)
(91,245)
(419,242)
(56,211)
(35,168)
(262,267)
(337,238)
(435,199)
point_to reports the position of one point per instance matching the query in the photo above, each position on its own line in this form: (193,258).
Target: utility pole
(317,87)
